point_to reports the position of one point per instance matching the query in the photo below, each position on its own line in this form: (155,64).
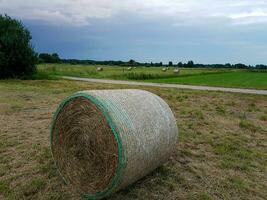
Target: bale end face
(84,146)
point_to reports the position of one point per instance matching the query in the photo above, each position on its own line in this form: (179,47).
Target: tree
(261,67)
(47,58)
(180,64)
(240,66)
(170,63)
(17,57)
(56,57)
(190,63)
(131,62)
(228,65)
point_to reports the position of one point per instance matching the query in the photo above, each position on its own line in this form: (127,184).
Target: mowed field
(234,78)
(221,154)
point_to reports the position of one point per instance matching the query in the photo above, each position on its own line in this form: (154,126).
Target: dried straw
(104,140)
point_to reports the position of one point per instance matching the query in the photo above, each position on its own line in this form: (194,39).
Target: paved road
(164,85)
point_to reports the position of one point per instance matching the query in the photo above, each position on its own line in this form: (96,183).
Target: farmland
(236,78)
(222,150)
(63,139)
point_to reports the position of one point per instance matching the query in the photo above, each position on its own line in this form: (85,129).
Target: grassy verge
(222,150)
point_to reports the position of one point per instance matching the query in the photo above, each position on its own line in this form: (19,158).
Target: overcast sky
(206,31)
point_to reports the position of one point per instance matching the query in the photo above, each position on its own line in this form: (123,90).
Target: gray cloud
(83,12)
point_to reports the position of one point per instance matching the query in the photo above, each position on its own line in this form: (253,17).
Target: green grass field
(239,79)
(221,154)
(207,77)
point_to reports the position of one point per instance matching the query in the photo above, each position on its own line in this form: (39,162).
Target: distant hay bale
(104,140)
(176,71)
(99,69)
(129,68)
(164,69)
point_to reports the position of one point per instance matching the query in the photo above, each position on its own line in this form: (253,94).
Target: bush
(147,76)
(17,57)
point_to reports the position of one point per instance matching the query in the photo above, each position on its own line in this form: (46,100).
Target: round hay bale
(129,68)
(99,69)
(164,69)
(104,140)
(176,71)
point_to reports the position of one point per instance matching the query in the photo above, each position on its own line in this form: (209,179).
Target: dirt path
(165,85)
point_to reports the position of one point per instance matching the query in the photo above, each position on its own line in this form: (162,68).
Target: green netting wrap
(104,140)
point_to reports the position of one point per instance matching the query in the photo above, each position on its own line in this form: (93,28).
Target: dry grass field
(222,150)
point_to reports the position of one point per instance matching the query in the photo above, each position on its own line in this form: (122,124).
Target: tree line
(54,58)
